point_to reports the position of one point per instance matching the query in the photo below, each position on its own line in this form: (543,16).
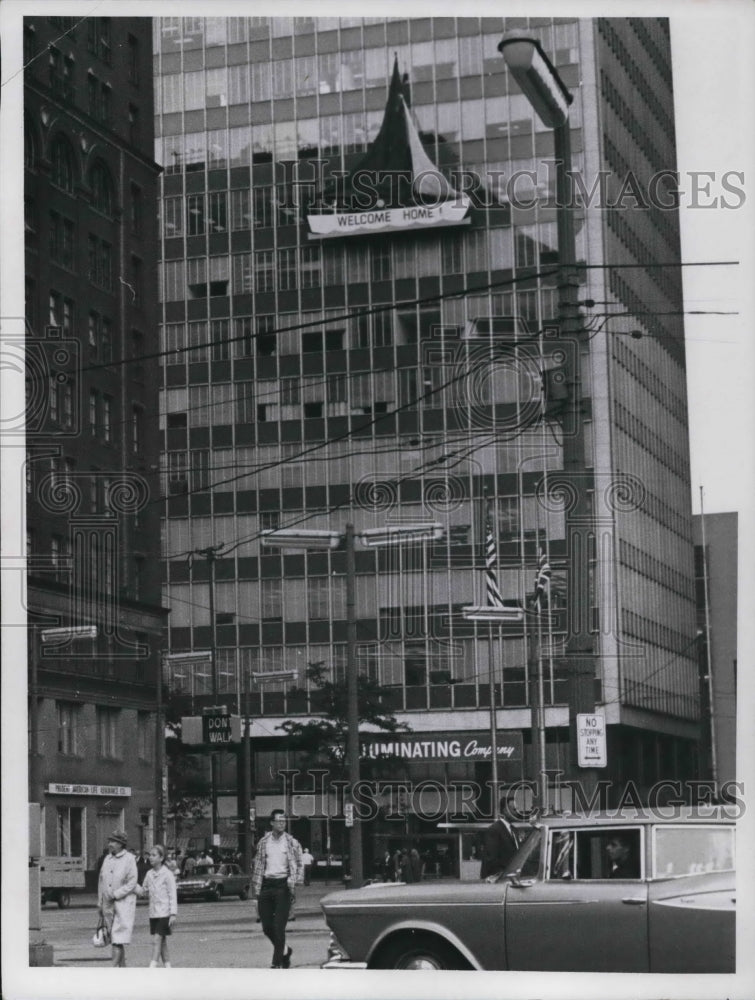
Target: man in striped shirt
(278,867)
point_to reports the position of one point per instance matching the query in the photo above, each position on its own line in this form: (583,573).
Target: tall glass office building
(341,353)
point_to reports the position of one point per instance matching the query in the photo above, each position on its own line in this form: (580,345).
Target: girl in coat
(160,886)
(116,894)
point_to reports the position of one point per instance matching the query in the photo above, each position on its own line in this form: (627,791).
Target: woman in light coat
(116,894)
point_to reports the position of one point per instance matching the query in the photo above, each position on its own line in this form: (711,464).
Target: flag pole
(492,597)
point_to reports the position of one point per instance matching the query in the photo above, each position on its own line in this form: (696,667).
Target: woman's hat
(120,836)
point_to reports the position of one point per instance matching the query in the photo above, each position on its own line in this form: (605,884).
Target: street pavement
(206,934)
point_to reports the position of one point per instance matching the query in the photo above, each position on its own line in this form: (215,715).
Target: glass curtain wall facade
(394,378)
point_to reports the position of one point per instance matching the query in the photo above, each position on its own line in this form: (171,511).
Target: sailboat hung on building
(394,187)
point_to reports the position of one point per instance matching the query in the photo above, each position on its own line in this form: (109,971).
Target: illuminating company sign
(464,746)
(454,212)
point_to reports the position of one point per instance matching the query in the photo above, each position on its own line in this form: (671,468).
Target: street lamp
(509,611)
(258,676)
(550,98)
(370,538)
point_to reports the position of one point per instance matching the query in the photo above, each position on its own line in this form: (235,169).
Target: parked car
(214,882)
(564,905)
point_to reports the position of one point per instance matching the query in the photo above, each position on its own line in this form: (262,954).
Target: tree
(324,738)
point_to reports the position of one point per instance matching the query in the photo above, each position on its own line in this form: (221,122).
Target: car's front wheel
(244,894)
(64,899)
(420,952)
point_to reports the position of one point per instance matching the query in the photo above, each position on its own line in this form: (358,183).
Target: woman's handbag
(101,937)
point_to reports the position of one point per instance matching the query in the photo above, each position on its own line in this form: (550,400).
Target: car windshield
(201,870)
(685,850)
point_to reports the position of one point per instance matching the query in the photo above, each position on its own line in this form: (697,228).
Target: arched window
(102,188)
(62,164)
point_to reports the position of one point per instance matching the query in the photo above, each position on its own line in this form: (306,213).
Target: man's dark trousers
(274,905)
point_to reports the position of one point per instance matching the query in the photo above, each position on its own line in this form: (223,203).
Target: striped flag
(494,599)
(542,579)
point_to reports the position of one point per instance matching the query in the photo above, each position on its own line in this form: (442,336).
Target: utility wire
(403,304)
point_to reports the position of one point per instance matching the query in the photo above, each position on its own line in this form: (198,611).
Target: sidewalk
(307,898)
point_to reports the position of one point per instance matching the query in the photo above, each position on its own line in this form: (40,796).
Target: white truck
(58,875)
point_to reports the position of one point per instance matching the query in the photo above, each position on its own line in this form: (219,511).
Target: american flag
(542,579)
(494,599)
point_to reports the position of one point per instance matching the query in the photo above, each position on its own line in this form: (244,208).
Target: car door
(692,899)
(575,918)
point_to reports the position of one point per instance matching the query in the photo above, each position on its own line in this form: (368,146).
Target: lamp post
(370,538)
(210,554)
(509,612)
(550,98)
(245,798)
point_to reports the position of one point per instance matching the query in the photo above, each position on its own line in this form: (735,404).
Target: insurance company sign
(65,788)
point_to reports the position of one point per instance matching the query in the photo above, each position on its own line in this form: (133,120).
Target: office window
(107,418)
(93,409)
(318,590)
(238,84)
(261,81)
(290,393)
(263,208)
(216,87)
(108,744)
(380,263)
(193,90)
(68,727)
(145,735)
(199,465)
(61,74)
(219,275)
(196,277)
(99,262)
(101,185)
(66,402)
(264,271)
(198,340)
(62,240)
(174,280)
(241,209)
(272,599)
(266,338)
(195,219)
(70,831)
(245,405)
(219,334)
(133,60)
(173,216)
(137,281)
(243,276)
(217,148)
(137,429)
(287,270)
(137,210)
(172,93)
(218,212)
(104,44)
(310,267)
